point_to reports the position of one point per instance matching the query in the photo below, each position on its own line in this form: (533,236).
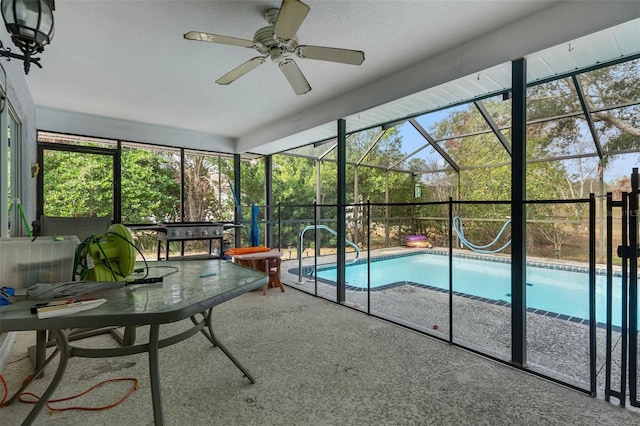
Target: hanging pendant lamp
(30,23)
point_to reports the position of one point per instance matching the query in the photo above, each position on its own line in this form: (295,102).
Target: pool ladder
(331,231)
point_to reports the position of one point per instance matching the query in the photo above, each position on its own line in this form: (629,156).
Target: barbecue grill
(190,231)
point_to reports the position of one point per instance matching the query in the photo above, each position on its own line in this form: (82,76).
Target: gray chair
(83,227)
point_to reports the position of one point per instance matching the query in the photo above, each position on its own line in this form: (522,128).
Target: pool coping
(485,257)
(306,272)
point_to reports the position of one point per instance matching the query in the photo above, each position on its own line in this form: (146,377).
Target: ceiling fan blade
(333,54)
(296,79)
(238,72)
(290,17)
(214,38)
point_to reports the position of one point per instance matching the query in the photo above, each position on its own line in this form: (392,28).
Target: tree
(486,173)
(77,184)
(611,94)
(372,153)
(150,186)
(204,183)
(611,86)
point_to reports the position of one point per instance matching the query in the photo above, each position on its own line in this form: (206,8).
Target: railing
(556,229)
(331,231)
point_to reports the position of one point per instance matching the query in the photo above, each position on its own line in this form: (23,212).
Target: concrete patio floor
(316,363)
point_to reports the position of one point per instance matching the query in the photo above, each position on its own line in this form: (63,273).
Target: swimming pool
(555,289)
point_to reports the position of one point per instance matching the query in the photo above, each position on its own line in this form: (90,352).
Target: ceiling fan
(278,41)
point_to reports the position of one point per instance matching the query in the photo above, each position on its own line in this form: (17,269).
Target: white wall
(19,96)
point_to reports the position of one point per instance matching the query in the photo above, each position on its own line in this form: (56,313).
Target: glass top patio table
(196,286)
(191,290)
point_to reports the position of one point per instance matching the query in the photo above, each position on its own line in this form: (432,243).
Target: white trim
(4,170)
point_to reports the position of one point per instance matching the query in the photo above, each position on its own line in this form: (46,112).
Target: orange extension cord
(21,398)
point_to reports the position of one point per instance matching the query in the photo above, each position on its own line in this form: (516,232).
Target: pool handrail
(331,231)
(458,227)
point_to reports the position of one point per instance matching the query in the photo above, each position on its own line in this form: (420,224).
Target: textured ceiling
(128,60)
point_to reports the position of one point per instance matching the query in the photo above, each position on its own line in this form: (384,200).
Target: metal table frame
(201,293)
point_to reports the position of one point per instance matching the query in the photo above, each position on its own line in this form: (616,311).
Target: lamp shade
(30,23)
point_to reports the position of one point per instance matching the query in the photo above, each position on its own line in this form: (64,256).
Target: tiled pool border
(306,272)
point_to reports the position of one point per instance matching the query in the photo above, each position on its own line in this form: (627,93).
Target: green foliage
(78,184)
(294,186)
(203,182)
(150,186)
(381,151)
(294,180)
(252,182)
(328,183)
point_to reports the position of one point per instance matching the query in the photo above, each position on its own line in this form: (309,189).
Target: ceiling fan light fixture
(277,54)
(30,23)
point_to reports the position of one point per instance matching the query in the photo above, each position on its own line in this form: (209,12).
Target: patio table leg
(154,375)
(217,342)
(62,342)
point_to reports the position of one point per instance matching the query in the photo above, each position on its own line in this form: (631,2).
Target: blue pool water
(560,291)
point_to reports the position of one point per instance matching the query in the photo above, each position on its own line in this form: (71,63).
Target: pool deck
(557,345)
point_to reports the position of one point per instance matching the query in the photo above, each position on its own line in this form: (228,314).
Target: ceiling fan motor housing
(268,44)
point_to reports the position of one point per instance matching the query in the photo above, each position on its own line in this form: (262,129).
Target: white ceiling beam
(55,120)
